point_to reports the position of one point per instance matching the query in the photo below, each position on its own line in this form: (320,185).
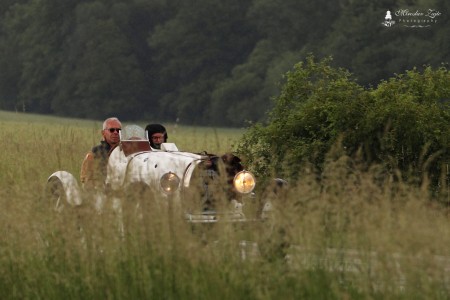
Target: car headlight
(169,183)
(244,182)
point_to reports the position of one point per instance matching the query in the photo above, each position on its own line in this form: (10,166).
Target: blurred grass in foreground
(346,238)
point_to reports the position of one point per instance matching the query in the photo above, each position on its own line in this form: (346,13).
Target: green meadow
(346,238)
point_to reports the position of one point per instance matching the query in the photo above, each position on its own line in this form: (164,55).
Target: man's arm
(87,174)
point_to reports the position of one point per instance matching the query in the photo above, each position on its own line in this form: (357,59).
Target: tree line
(202,62)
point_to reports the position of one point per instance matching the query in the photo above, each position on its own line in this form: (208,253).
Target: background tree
(287,31)
(373,52)
(36,30)
(10,75)
(197,49)
(101,74)
(401,125)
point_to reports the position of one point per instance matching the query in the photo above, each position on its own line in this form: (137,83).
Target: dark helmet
(155,128)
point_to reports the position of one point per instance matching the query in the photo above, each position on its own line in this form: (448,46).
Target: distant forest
(201,62)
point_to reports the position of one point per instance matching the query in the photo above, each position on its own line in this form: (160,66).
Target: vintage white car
(204,187)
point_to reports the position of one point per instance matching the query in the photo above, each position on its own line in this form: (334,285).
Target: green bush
(402,124)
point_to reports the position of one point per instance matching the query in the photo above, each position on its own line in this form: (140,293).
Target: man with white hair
(93,168)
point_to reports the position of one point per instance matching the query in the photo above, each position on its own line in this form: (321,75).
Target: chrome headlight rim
(244,182)
(169,183)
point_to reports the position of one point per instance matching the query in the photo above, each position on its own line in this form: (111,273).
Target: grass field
(347,238)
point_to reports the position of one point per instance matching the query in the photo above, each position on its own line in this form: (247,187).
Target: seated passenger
(93,168)
(157,135)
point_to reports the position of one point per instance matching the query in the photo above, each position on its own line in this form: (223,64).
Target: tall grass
(349,237)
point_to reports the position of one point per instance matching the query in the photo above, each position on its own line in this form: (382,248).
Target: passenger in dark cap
(157,135)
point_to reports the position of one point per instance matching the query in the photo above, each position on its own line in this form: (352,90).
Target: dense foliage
(401,125)
(202,62)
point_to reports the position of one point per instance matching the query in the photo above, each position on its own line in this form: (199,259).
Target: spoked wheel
(57,194)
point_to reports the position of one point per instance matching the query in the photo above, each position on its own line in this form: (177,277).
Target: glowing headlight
(169,182)
(244,182)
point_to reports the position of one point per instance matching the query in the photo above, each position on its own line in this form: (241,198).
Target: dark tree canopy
(204,62)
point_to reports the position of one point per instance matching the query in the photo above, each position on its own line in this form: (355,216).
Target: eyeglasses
(157,137)
(113,129)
